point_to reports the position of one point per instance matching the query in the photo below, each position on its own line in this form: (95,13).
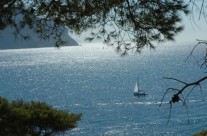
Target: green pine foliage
(34,118)
(201,133)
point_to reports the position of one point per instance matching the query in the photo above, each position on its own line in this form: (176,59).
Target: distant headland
(8,41)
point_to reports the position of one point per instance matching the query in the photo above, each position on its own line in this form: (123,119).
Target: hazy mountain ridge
(8,40)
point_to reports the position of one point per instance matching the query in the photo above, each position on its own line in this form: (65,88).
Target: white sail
(136,88)
(137,91)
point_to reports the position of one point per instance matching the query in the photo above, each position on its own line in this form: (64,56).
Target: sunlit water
(97,82)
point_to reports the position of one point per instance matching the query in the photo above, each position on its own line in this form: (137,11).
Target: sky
(194,28)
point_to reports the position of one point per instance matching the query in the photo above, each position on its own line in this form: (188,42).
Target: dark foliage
(201,133)
(21,118)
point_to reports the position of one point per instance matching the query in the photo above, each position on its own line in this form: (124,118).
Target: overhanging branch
(176,97)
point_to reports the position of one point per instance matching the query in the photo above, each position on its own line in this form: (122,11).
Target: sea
(93,79)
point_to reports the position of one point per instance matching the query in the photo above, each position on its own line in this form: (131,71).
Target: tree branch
(175,80)
(179,92)
(176,97)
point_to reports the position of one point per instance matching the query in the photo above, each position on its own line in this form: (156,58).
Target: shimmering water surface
(99,83)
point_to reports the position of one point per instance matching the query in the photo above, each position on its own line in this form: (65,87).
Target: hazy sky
(193,29)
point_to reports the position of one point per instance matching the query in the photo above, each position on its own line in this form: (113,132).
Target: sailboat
(137,91)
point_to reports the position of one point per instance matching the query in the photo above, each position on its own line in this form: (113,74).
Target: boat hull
(140,94)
